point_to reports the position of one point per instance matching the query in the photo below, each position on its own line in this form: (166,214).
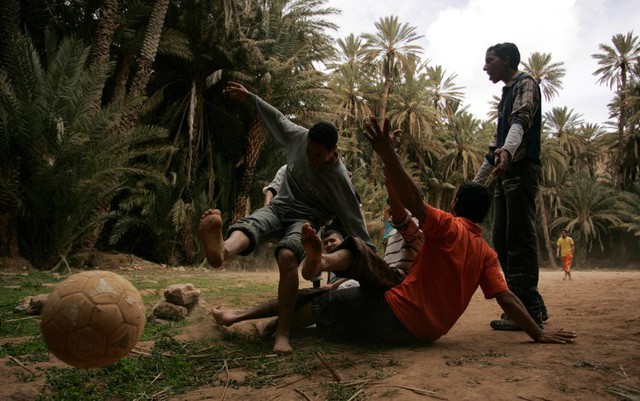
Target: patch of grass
(13,289)
(15,326)
(130,378)
(33,350)
(340,392)
(169,369)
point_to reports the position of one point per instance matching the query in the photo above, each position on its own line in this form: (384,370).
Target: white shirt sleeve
(483,173)
(513,139)
(277,180)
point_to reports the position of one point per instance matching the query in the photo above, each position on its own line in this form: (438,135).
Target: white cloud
(457,34)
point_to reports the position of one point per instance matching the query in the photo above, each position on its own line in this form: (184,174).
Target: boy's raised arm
(381,140)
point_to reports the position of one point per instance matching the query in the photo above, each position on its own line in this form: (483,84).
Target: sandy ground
(472,362)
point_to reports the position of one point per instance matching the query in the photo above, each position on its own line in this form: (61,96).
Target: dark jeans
(514,232)
(368,267)
(358,315)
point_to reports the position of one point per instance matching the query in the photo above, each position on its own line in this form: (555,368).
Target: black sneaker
(545,316)
(504,324)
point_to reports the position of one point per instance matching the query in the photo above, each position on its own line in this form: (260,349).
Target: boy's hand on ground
(559,336)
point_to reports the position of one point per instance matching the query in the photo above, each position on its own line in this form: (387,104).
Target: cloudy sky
(458,32)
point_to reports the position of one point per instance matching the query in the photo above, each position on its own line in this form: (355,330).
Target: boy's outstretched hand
(236,91)
(558,336)
(382,139)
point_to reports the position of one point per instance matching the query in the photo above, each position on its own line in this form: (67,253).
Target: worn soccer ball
(92,319)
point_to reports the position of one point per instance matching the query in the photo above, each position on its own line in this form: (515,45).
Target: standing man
(564,250)
(514,162)
(315,189)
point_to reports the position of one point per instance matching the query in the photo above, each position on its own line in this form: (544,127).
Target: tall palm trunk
(9,30)
(100,50)
(544,219)
(404,140)
(384,97)
(195,116)
(123,71)
(10,171)
(145,62)
(195,129)
(9,214)
(352,126)
(621,124)
(382,114)
(255,139)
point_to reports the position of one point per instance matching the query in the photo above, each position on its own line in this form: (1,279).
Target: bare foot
(266,328)
(210,233)
(225,317)
(282,345)
(312,263)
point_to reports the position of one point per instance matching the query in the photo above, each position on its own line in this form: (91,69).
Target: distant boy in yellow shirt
(564,250)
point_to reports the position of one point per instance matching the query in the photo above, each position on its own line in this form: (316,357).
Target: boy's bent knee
(286,257)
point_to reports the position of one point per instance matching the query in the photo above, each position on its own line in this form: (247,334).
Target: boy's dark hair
(503,50)
(325,133)
(327,233)
(472,201)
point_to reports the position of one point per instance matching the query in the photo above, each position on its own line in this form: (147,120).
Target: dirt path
(473,362)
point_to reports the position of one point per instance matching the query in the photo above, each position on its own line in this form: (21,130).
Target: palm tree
(632,148)
(554,167)
(72,161)
(548,74)
(347,81)
(412,109)
(588,159)
(615,64)
(629,206)
(588,211)
(563,124)
(137,90)
(390,47)
(464,141)
(293,39)
(493,109)
(443,89)
(561,147)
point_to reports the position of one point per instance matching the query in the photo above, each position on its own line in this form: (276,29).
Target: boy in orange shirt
(453,262)
(564,250)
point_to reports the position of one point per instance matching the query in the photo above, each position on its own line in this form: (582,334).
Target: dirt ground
(472,362)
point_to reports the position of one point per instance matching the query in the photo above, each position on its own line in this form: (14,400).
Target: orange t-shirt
(453,261)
